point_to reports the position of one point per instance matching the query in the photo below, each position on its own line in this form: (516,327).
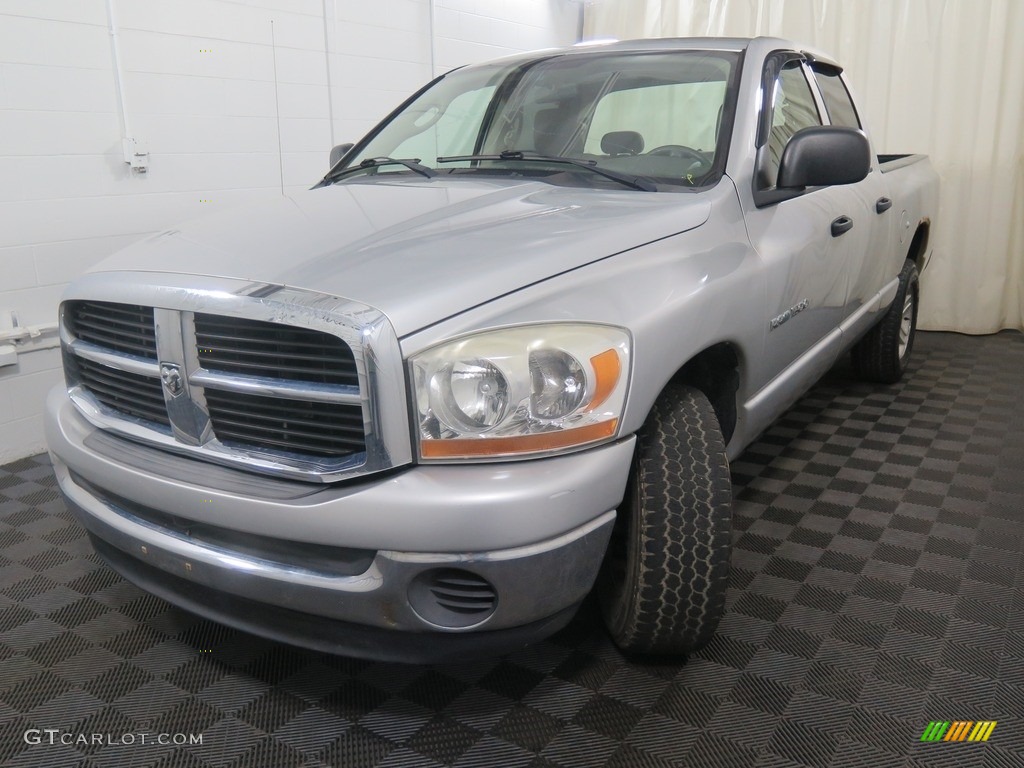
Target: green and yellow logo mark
(958,730)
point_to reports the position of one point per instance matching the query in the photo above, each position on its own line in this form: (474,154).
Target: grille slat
(125,328)
(262,356)
(129,393)
(121,389)
(327,434)
(295,372)
(261,348)
(249,339)
(340,430)
(227,413)
(130,327)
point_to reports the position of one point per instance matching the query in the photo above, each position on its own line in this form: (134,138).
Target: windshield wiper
(633,182)
(412,163)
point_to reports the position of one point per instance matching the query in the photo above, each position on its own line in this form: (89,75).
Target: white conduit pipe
(115,46)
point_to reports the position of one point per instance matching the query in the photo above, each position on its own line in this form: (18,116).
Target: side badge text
(796,309)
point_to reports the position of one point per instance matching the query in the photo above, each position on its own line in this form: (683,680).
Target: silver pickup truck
(499,357)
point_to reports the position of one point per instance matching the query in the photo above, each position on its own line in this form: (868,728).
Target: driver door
(795,233)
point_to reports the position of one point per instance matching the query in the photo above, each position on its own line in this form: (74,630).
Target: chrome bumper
(536,531)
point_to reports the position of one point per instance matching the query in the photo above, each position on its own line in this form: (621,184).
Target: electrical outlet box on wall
(135,154)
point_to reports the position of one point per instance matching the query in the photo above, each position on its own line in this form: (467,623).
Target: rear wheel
(884,353)
(665,575)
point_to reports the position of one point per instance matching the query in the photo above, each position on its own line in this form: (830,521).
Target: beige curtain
(943,77)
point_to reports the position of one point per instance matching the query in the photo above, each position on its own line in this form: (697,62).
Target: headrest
(622,143)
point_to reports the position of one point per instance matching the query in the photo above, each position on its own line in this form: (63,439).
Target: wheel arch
(715,371)
(918,250)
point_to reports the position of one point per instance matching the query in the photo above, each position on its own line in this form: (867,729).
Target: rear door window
(837,99)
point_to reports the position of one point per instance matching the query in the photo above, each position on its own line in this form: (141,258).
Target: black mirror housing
(824,155)
(339,152)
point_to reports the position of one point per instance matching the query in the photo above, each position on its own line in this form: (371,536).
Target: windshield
(655,115)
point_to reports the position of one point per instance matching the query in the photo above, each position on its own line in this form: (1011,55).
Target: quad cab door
(811,240)
(867,246)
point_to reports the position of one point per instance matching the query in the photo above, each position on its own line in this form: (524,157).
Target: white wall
(230,108)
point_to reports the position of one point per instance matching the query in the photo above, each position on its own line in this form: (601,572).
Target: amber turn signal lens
(607,368)
(501,446)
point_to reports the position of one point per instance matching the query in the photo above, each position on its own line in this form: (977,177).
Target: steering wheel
(678,150)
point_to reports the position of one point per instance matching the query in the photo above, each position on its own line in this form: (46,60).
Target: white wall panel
(36,88)
(177,134)
(307,7)
(19,269)
(24,436)
(156,52)
(24,390)
(54,43)
(296,100)
(306,135)
(298,66)
(72,175)
(409,15)
(198,18)
(81,11)
(475,30)
(372,42)
(199,83)
(57,133)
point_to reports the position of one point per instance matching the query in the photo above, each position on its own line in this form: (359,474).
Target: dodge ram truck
(498,358)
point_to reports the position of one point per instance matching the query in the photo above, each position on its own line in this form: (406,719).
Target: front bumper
(535,531)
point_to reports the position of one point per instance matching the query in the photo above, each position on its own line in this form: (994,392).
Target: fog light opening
(452,598)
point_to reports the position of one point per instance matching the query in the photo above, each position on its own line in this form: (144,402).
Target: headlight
(520,391)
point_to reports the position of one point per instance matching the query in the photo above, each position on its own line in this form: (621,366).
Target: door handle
(841,225)
(882,204)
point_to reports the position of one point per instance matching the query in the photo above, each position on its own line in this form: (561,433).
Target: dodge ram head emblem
(170,375)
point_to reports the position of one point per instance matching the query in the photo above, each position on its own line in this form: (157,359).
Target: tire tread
(684,493)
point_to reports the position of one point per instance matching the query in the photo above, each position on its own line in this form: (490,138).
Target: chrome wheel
(906,324)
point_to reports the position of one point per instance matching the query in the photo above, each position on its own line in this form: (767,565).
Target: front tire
(884,353)
(667,569)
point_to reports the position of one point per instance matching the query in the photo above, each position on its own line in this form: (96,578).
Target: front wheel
(665,576)
(884,353)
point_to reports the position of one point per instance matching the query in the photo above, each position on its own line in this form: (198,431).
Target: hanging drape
(943,77)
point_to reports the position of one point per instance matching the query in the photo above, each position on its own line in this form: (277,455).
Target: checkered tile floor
(877,585)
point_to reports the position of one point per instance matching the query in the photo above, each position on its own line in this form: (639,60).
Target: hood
(418,250)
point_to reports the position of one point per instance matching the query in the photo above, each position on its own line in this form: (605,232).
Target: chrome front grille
(265,381)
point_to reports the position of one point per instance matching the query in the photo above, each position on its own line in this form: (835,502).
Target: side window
(793,108)
(837,99)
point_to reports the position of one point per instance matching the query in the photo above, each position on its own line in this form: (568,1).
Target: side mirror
(339,152)
(824,155)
